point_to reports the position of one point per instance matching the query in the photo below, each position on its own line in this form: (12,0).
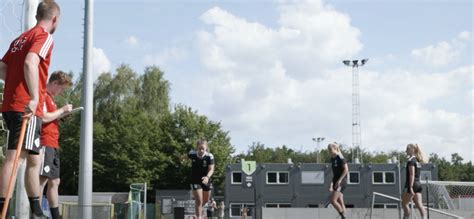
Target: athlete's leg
(6,169)
(334,201)
(341,202)
(205,197)
(32,178)
(406,198)
(43,182)
(52,193)
(419,204)
(197,194)
(5,174)
(53,197)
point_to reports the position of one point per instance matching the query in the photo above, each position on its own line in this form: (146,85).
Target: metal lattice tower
(356,125)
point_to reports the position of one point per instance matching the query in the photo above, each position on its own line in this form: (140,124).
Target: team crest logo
(37,142)
(46,169)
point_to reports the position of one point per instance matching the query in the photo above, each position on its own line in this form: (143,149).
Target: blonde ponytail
(336,146)
(420,156)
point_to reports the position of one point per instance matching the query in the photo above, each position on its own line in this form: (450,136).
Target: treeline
(138,136)
(449,170)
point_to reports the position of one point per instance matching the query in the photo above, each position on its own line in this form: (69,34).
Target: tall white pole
(22,206)
(85,162)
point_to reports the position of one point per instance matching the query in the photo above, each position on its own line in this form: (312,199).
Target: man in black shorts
(24,68)
(58,81)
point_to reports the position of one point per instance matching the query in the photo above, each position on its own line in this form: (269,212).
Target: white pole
(22,205)
(144,207)
(85,160)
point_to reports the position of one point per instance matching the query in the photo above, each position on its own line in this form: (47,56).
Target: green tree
(137,137)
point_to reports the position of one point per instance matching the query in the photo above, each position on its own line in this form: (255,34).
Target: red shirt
(16,95)
(50,130)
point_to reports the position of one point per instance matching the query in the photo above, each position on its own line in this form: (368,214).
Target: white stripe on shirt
(44,50)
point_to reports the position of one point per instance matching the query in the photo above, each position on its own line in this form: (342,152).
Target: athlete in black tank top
(202,169)
(417,184)
(412,190)
(339,170)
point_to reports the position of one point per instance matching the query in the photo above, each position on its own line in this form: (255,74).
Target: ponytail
(420,156)
(336,146)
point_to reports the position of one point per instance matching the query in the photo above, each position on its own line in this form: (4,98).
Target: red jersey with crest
(50,130)
(16,94)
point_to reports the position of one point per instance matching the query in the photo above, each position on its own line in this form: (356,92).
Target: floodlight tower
(318,140)
(356,128)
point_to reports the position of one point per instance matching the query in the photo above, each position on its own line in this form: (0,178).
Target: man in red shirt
(50,138)
(24,68)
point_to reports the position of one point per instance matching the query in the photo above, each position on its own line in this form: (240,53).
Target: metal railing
(411,203)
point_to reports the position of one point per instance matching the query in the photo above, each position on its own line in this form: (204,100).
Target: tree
(137,137)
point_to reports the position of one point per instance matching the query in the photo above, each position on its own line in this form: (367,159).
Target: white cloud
(275,85)
(308,33)
(132,41)
(443,53)
(100,62)
(166,56)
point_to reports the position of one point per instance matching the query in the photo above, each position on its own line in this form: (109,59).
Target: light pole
(356,128)
(318,140)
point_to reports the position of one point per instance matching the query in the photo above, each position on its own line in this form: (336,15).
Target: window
(236,177)
(277,205)
(277,177)
(354,177)
(383,177)
(312,177)
(377,177)
(391,206)
(271,178)
(236,209)
(425,174)
(382,205)
(390,177)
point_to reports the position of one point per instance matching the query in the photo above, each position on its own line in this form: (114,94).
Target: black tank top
(337,164)
(200,166)
(413,162)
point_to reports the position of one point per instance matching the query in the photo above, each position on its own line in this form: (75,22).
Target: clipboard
(78,109)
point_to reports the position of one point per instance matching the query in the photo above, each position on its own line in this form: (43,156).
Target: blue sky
(271,72)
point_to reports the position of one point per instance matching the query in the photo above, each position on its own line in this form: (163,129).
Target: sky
(272,72)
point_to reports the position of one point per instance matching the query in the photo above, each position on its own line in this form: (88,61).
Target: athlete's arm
(3,70)
(345,169)
(51,116)
(411,170)
(205,179)
(30,68)
(210,170)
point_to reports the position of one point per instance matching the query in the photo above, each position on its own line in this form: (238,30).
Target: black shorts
(202,186)
(209,213)
(416,187)
(341,187)
(31,142)
(50,166)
